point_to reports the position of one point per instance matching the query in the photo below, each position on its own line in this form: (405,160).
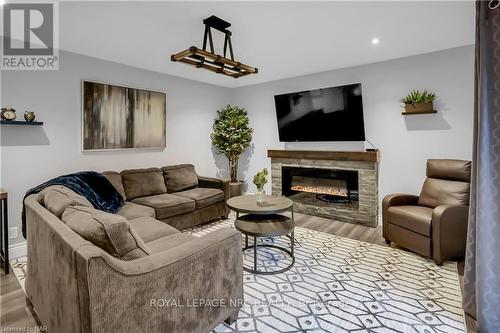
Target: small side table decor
(8,113)
(260,179)
(29,116)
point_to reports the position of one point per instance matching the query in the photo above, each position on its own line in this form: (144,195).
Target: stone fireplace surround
(365,163)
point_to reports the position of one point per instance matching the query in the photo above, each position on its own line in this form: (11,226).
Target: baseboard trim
(18,250)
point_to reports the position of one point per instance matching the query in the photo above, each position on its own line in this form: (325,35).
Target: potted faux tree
(231,136)
(419,101)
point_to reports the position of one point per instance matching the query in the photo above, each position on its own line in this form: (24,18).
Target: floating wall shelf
(418,112)
(20,122)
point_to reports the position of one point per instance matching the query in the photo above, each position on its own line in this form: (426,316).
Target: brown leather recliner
(433,224)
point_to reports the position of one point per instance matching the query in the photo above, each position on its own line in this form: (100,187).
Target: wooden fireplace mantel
(364,156)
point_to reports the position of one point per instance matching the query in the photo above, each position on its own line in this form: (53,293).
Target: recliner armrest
(400,199)
(449,232)
(396,199)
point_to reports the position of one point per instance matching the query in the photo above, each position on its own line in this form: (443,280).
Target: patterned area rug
(343,285)
(340,285)
(19,268)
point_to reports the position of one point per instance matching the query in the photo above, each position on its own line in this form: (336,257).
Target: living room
(354,142)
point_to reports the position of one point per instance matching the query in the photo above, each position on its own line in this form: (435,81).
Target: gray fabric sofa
(76,286)
(174,194)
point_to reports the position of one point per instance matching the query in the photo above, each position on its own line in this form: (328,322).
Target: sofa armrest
(211,182)
(190,288)
(449,232)
(218,183)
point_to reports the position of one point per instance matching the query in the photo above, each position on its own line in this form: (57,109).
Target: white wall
(405,142)
(33,154)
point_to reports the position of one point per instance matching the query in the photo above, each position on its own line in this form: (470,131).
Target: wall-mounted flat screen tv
(328,114)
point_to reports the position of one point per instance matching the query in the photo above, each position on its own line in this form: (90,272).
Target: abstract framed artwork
(119,117)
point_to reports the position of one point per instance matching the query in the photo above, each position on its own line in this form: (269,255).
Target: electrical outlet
(13,233)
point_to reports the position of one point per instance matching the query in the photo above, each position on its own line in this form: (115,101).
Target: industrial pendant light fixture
(202,58)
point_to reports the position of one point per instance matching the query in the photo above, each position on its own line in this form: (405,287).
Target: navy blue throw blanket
(92,185)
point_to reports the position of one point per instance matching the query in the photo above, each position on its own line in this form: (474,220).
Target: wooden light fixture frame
(201,58)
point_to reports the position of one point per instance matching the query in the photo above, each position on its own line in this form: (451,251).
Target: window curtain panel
(482,261)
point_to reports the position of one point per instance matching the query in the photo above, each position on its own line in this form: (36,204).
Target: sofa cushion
(437,192)
(150,229)
(180,177)
(115,178)
(143,182)
(110,232)
(132,210)
(57,197)
(414,218)
(203,196)
(169,242)
(166,205)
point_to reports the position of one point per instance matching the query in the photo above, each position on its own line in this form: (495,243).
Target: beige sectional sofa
(74,285)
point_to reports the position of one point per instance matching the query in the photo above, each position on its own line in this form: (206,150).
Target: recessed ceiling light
(375,41)
(2,2)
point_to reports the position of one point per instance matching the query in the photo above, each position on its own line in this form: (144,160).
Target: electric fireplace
(331,186)
(338,185)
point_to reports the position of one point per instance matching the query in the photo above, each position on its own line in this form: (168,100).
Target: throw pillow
(143,182)
(180,177)
(57,197)
(110,232)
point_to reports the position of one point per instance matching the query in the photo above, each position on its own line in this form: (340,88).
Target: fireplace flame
(318,189)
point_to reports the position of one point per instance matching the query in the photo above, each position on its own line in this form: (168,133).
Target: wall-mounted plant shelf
(20,122)
(418,112)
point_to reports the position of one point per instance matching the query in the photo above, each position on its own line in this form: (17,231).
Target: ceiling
(282,39)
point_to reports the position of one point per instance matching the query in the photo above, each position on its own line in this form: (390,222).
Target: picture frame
(119,117)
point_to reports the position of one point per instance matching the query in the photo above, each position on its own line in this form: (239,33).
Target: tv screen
(329,114)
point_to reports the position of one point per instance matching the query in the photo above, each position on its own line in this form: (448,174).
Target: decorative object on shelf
(29,116)
(8,113)
(117,117)
(260,179)
(231,136)
(419,102)
(201,58)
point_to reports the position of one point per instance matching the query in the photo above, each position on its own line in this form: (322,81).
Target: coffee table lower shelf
(272,225)
(255,246)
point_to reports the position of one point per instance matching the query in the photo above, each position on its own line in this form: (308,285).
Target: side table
(4,230)
(263,220)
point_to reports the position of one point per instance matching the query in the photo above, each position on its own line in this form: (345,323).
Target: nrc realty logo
(30,36)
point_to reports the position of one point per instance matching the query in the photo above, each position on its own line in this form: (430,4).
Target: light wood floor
(15,314)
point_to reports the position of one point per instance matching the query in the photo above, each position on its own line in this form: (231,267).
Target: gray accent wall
(31,155)
(405,142)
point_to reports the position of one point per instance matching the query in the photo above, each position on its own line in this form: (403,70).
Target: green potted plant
(231,136)
(260,179)
(419,101)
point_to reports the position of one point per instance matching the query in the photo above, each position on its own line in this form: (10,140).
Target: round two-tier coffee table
(263,220)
